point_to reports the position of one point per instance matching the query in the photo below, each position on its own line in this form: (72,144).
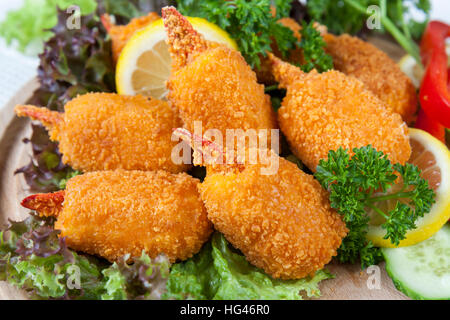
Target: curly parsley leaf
(355,185)
(313,46)
(250,24)
(370,255)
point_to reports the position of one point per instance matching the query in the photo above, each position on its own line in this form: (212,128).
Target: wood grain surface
(350,281)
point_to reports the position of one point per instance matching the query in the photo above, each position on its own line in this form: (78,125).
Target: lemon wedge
(432,157)
(144,64)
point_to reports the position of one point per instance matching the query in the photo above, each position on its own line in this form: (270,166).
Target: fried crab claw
(49,118)
(330,110)
(183,40)
(285,73)
(121,34)
(106,21)
(118,212)
(102,131)
(45,204)
(205,151)
(208,153)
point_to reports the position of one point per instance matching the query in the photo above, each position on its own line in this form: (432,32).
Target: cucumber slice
(422,271)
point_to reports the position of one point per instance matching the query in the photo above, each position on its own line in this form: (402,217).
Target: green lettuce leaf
(218,272)
(34,258)
(144,279)
(29,26)
(196,278)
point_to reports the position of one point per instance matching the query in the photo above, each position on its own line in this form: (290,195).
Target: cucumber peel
(422,271)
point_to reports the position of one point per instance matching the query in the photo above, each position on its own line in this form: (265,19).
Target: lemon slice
(144,63)
(414,71)
(432,157)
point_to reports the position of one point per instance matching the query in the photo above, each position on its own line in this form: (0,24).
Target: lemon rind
(134,47)
(440,212)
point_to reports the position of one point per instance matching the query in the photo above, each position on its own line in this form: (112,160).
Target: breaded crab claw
(282,222)
(107,131)
(114,213)
(120,34)
(322,112)
(379,73)
(212,83)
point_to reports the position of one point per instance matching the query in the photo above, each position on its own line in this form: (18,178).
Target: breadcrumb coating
(323,112)
(106,131)
(282,223)
(121,34)
(219,89)
(379,73)
(113,213)
(213,84)
(182,38)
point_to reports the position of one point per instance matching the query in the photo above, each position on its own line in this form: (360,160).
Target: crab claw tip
(46,204)
(182,38)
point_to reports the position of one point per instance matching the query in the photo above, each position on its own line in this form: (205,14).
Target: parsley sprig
(250,24)
(313,46)
(361,183)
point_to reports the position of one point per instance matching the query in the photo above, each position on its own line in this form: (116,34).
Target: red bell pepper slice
(434,93)
(429,125)
(448,79)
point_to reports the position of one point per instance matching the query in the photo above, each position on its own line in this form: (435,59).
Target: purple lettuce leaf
(45,172)
(34,258)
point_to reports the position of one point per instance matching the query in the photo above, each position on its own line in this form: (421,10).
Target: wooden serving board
(350,282)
